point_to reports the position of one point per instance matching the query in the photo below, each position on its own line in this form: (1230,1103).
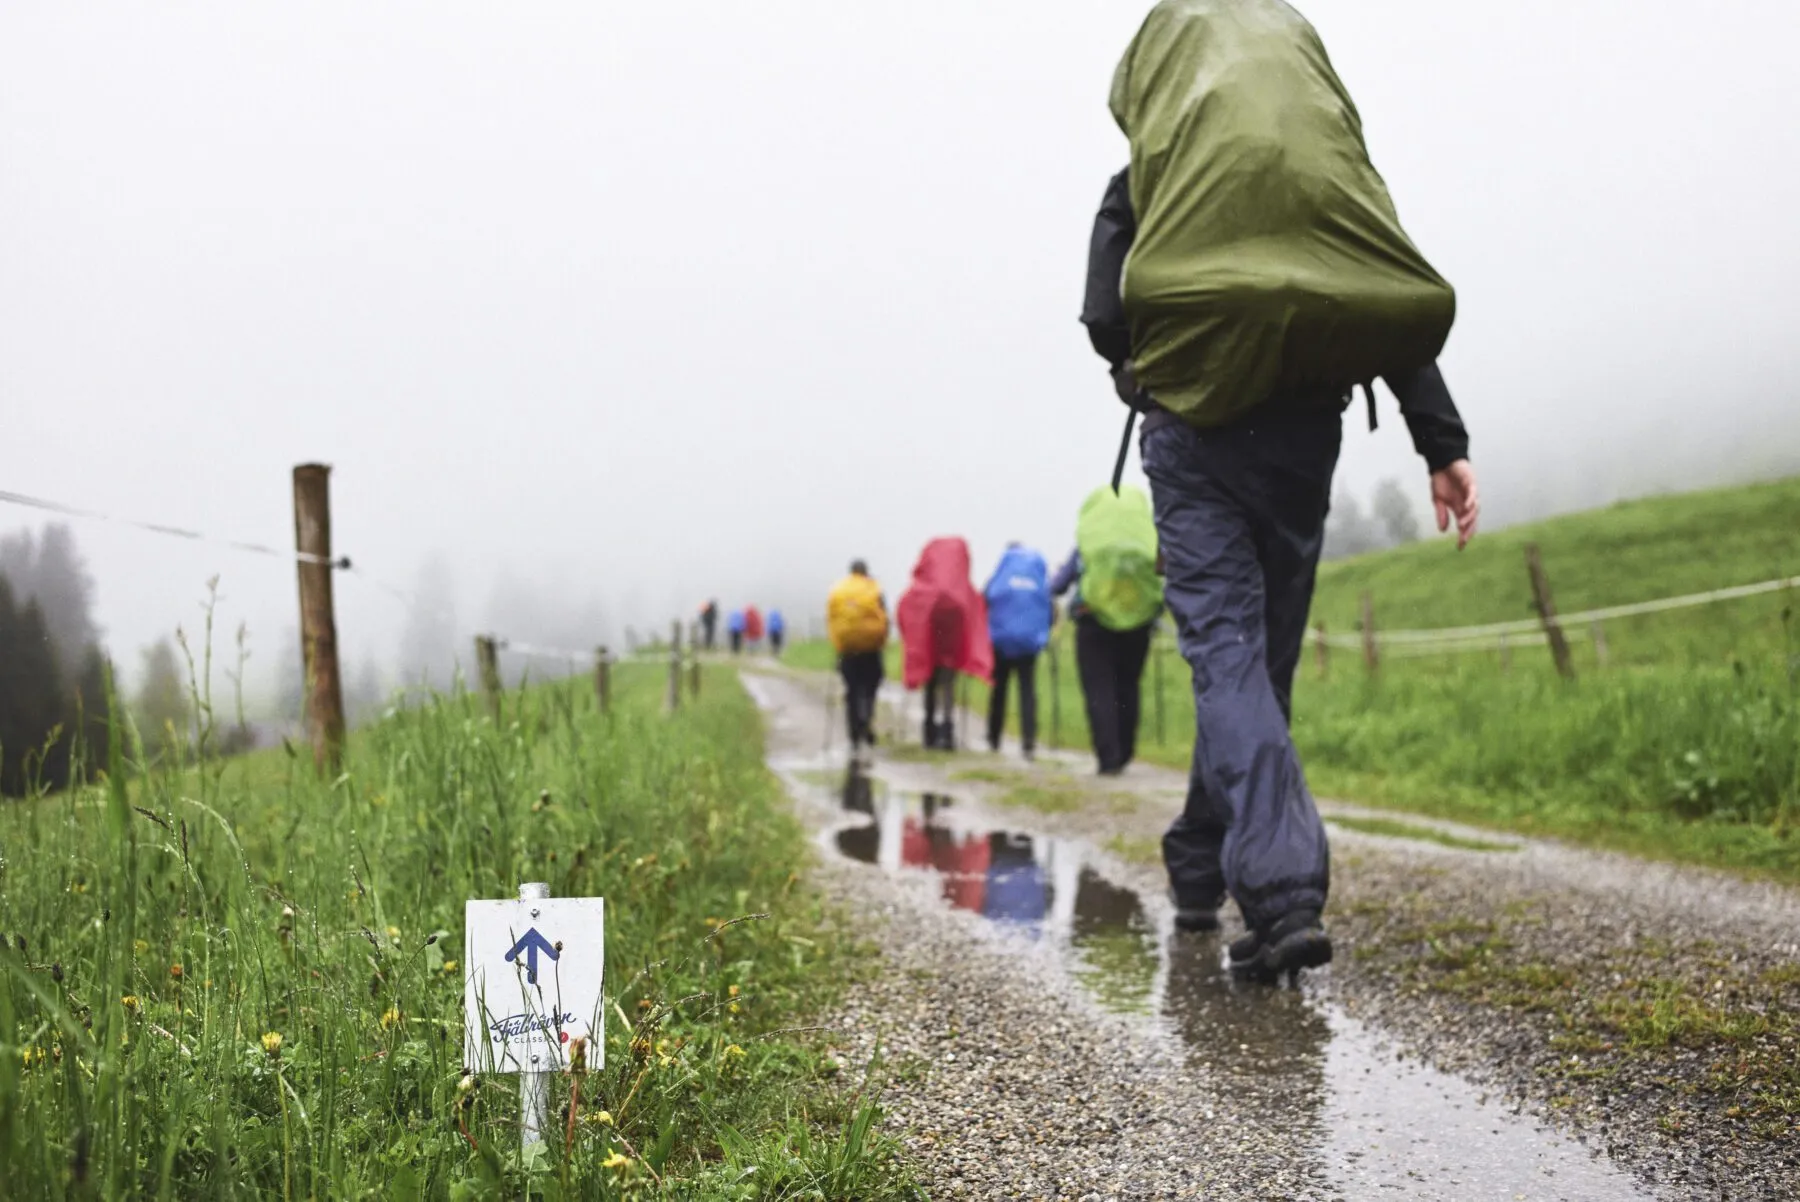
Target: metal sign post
(534,1084)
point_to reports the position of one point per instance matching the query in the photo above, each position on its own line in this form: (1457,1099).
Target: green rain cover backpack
(1268,253)
(1117,539)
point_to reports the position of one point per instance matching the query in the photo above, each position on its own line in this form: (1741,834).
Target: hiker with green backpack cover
(1246,272)
(1116,597)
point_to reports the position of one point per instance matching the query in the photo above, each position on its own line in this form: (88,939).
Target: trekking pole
(1124,450)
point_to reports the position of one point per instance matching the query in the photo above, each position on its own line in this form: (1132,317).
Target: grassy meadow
(234,979)
(1684,745)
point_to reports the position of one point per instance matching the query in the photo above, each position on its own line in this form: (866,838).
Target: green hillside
(1632,551)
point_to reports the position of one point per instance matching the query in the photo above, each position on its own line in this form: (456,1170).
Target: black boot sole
(1309,948)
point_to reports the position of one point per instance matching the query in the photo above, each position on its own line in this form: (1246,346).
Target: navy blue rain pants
(1240,515)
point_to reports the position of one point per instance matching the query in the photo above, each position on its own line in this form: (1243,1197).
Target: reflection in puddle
(1036,886)
(1383,1128)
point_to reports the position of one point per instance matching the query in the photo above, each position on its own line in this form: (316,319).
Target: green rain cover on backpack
(1116,537)
(1268,253)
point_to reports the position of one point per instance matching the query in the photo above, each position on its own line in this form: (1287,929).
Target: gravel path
(1093,1053)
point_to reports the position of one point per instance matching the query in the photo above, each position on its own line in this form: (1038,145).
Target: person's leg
(947,732)
(931,700)
(1131,648)
(1094,656)
(847,671)
(1003,668)
(1207,496)
(1026,668)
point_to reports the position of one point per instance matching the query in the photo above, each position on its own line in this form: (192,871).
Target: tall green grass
(239,980)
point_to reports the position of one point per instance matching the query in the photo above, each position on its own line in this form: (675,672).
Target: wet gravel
(1009,1082)
(1008,1085)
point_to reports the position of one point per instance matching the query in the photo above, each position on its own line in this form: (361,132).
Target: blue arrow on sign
(529,945)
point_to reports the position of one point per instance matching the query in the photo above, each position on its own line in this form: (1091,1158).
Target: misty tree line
(54,668)
(1390,520)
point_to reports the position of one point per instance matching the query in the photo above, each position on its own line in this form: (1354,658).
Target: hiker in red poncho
(943,624)
(753,625)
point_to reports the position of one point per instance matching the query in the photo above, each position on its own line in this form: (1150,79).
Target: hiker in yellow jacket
(856,618)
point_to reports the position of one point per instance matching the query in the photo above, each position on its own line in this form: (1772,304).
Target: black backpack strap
(1369,396)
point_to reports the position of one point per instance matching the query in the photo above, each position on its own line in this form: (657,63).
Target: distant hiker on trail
(856,620)
(734,627)
(943,622)
(777,631)
(1116,595)
(1245,272)
(753,626)
(1019,610)
(709,623)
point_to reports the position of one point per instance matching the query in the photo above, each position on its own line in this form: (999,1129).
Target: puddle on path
(1386,1127)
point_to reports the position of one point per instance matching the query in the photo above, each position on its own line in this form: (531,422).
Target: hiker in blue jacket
(777,632)
(1019,610)
(734,626)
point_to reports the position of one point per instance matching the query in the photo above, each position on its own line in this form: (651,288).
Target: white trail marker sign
(535,971)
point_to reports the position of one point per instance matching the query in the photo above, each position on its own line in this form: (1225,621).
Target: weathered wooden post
(603,679)
(674,698)
(318,620)
(1322,651)
(1371,650)
(487,663)
(694,665)
(1546,608)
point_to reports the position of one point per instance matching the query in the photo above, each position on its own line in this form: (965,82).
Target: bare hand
(1454,494)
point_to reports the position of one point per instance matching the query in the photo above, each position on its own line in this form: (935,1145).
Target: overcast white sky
(626,304)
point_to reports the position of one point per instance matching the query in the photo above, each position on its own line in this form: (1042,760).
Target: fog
(604,308)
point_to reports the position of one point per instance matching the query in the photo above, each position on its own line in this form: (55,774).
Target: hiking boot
(1197,919)
(1297,941)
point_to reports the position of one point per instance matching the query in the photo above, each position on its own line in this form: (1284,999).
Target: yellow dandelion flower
(393,932)
(734,1050)
(734,1007)
(449,966)
(601,1118)
(733,991)
(391,1018)
(130,1002)
(271,1042)
(615,1161)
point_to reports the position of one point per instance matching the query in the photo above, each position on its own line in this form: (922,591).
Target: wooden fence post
(1322,651)
(1371,650)
(603,679)
(1546,608)
(318,620)
(487,663)
(1601,653)
(694,666)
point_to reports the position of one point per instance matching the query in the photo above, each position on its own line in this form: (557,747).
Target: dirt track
(1055,1038)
